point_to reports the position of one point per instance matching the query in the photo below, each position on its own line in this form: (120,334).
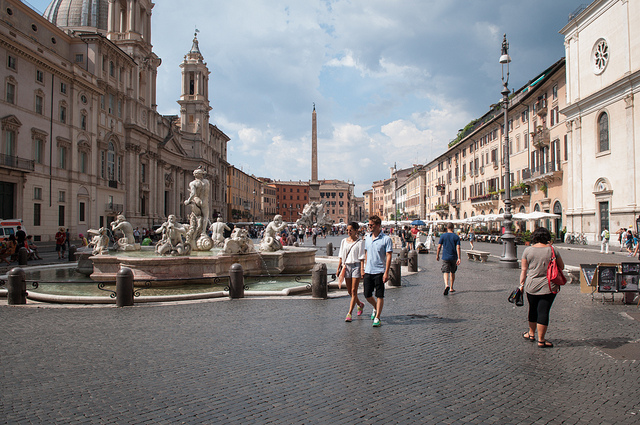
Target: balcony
(116,208)
(520,192)
(488,200)
(541,138)
(541,107)
(440,187)
(16,163)
(442,209)
(545,173)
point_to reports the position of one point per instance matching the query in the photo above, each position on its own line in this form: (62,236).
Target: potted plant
(544,189)
(526,237)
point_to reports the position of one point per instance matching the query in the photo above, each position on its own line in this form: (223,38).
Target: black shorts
(449,266)
(371,282)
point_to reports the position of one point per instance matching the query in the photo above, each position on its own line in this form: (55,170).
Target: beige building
(368,203)
(81,136)
(378,198)
(244,195)
(603,77)
(468,179)
(337,196)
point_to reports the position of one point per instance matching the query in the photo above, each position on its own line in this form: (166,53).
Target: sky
(392,80)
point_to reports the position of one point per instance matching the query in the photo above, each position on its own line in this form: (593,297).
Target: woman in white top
(352,257)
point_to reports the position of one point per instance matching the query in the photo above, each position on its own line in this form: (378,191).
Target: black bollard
(23,256)
(236,281)
(319,281)
(124,287)
(403,256)
(329,249)
(72,253)
(395,273)
(16,287)
(413,260)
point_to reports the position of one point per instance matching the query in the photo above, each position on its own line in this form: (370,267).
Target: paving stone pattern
(436,359)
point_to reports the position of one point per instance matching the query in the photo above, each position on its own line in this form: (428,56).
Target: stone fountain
(187,252)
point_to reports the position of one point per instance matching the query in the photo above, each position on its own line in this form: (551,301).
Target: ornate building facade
(603,124)
(81,136)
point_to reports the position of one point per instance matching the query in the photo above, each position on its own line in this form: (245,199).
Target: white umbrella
(538,215)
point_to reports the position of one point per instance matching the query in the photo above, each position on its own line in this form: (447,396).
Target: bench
(481,256)
(572,273)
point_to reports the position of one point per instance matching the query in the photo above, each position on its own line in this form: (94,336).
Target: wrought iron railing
(17,163)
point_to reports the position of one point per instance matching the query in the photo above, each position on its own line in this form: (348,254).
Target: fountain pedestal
(161,270)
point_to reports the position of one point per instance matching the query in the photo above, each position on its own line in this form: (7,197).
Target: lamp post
(509,258)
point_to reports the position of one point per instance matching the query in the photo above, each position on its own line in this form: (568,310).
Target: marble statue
(199,190)
(238,243)
(128,241)
(172,241)
(269,241)
(99,241)
(311,210)
(217,232)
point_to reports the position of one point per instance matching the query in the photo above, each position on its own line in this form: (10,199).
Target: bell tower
(194,100)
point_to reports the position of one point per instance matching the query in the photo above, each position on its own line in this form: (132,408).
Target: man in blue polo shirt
(377,257)
(449,246)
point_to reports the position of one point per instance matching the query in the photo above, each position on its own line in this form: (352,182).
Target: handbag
(345,258)
(516,297)
(554,275)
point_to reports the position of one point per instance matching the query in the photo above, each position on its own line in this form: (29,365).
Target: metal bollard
(395,273)
(403,256)
(16,287)
(329,249)
(23,256)
(413,260)
(72,253)
(236,281)
(124,287)
(319,281)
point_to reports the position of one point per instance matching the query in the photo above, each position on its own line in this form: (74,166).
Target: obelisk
(314,184)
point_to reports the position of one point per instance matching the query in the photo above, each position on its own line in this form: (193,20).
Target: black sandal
(545,344)
(529,337)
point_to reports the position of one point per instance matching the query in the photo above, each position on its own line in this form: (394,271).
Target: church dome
(78,13)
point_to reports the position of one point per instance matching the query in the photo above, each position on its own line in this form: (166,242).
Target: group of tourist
(10,246)
(369,258)
(628,240)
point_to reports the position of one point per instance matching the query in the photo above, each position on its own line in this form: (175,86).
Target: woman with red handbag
(533,280)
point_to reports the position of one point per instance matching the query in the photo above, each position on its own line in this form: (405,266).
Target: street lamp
(509,258)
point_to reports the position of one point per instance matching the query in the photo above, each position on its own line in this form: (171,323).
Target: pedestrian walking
(67,242)
(472,238)
(604,245)
(534,282)
(449,246)
(60,238)
(351,264)
(378,249)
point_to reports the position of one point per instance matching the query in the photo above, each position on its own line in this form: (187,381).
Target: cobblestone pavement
(436,359)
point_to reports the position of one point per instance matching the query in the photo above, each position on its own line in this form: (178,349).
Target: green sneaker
(373,314)
(376,323)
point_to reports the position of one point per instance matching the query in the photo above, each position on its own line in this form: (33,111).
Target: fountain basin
(157,269)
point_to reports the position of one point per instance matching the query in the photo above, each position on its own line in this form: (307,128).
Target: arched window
(603,132)
(111,162)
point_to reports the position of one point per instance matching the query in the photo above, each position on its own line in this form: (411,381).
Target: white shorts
(352,270)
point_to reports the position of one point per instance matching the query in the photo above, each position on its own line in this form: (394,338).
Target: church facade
(81,137)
